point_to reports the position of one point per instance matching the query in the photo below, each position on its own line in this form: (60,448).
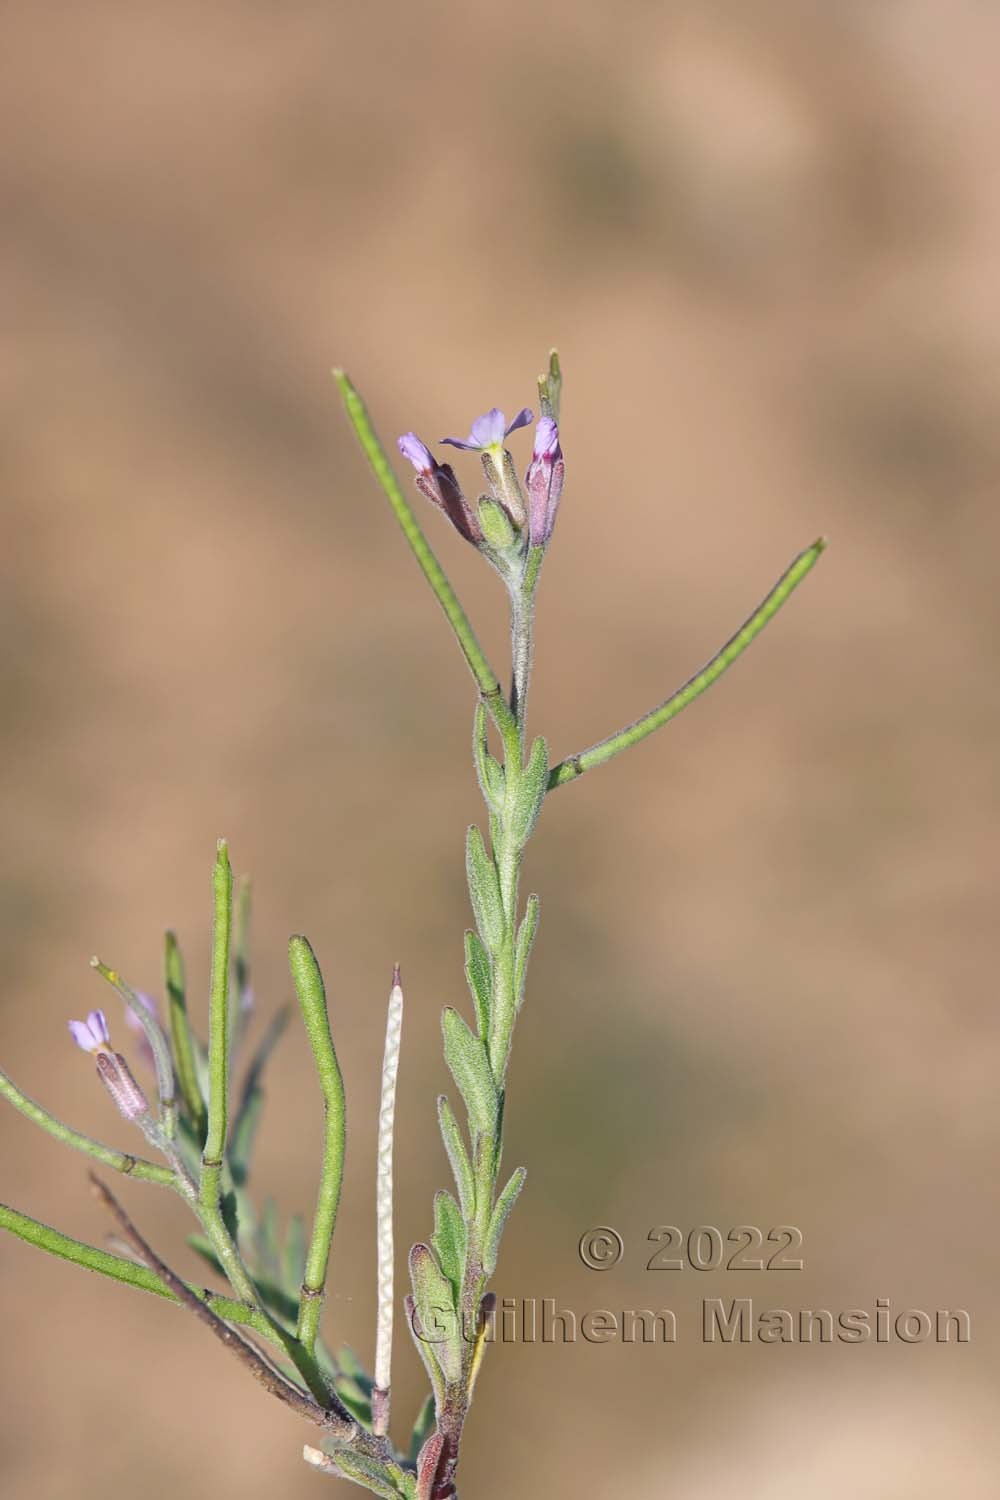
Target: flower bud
(544,482)
(114,1073)
(438,483)
(495,524)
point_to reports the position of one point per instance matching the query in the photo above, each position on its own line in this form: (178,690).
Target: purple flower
(489,431)
(92,1034)
(438,483)
(544,482)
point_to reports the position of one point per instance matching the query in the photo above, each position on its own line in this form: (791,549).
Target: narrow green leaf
(203,1247)
(422,1428)
(437,1323)
(484,891)
(43,1237)
(118,1161)
(269,1293)
(268,1249)
(244,1134)
(525,940)
(531,788)
(466,1056)
(348,1361)
(381,1477)
(501,1213)
(604,750)
(479,973)
(244,1131)
(449,1238)
(359,1405)
(181,1037)
(458,1156)
(423,1348)
(218,1019)
(293,1264)
(486,678)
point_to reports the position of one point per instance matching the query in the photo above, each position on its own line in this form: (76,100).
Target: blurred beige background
(765,238)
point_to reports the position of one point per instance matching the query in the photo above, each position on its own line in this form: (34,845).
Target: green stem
(118,1161)
(486,678)
(522,609)
(312,999)
(575,765)
(213,1161)
(507,854)
(214,1152)
(127,1271)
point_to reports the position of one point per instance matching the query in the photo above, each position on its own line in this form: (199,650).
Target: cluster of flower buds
(503,516)
(112,1069)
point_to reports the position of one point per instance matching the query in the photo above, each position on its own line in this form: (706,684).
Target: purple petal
(99,1027)
(80,1033)
(418,453)
(521,420)
(91,1033)
(488,429)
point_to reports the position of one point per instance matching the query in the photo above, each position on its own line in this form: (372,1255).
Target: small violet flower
(438,483)
(544,482)
(92,1034)
(112,1069)
(489,431)
(487,438)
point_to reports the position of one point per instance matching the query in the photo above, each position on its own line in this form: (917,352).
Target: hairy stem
(118,1161)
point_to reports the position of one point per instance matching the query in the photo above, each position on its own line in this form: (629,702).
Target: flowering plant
(270,1316)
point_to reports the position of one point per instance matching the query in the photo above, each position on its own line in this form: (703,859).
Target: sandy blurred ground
(765,237)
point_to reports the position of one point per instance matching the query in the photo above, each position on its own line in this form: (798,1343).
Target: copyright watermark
(601,1248)
(743,1247)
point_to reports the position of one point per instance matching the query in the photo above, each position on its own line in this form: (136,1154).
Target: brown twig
(262,1371)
